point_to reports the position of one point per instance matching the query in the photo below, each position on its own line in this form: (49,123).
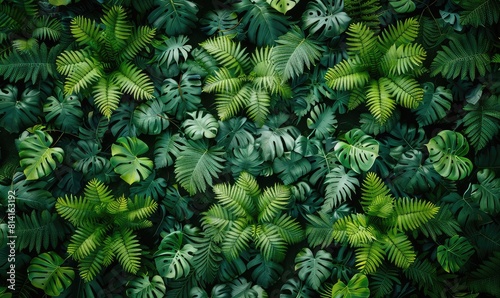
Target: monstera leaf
(18,113)
(294,288)
(313,269)
(446,153)
(487,192)
(37,158)
(357,287)
(174,16)
(454,253)
(326,17)
(65,111)
(282,5)
(201,126)
(150,118)
(173,260)
(359,151)
(144,287)
(126,162)
(45,272)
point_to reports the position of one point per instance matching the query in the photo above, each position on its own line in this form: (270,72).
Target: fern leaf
(77,210)
(382,282)
(288,228)
(248,183)
(401,33)
(38,230)
(319,229)
(403,59)
(228,53)
(464,57)
(127,249)
(235,199)
(85,240)
(270,243)
(369,256)
(399,250)
(133,81)
(92,264)
(371,188)
(81,70)
(117,29)
(293,52)
(216,221)
(106,96)
(141,37)
(11,17)
(258,106)
(423,273)
(47,28)
(229,104)
(86,31)
(222,81)
(339,187)
(379,100)
(485,277)
(272,202)
(140,208)
(347,75)
(237,239)
(97,192)
(361,41)
(405,90)
(412,213)
(365,11)
(482,121)
(479,12)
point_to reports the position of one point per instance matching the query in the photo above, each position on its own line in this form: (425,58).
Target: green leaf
(167,146)
(36,156)
(435,104)
(150,118)
(369,256)
(181,96)
(454,253)
(357,287)
(197,165)
(314,269)
(293,52)
(482,121)
(413,174)
(145,287)
(200,126)
(127,249)
(294,288)
(38,230)
(403,6)
(45,272)
(174,16)
(358,152)
(17,113)
(399,249)
(265,273)
(340,186)
(446,153)
(274,138)
(64,111)
(172,259)
(412,213)
(133,81)
(291,166)
(487,192)
(126,162)
(282,5)
(326,18)
(322,121)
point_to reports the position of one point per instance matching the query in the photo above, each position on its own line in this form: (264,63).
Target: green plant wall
(249,148)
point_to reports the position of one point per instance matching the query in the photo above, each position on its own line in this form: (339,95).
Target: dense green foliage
(250,148)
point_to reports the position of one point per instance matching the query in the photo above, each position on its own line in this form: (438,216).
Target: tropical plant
(104,66)
(105,228)
(380,70)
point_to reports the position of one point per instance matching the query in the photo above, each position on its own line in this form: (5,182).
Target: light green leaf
(358,152)
(36,156)
(357,287)
(282,5)
(314,269)
(126,162)
(173,260)
(45,272)
(454,253)
(201,125)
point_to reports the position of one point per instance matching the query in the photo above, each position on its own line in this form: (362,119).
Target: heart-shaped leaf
(45,272)
(37,158)
(359,151)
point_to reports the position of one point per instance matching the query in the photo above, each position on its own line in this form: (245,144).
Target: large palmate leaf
(45,272)
(322,121)
(487,192)
(173,259)
(290,167)
(166,148)
(340,186)
(274,139)
(126,161)
(446,153)
(358,152)
(197,165)
(313,269)
(293,52)
(482,121)
(64,111)
(181,96)
(145,287)
(150,118)
(18,111)
(454,253)
(200,126)
(415,174)
(282,5)
(294,288)
(37,157)
(174,16)
(265,273)
(357,287)
(325,17)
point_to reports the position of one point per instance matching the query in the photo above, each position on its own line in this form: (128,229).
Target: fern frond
(403,59)
(234,199)
(361,41)
(38,230)
(369,256)
(288,228)
(381,206)
(371,188)
(35,65)
(86,31)
(485,278)
(319,230)
(91,265)
(141,37)
(97,192)
(248,183)
(117,29)
(406,91)
(107,96)
(479,12)
(216,221)
(423,273)
(399,250)
(229,104)
(117,206)
(237,239)
(353,229)
(270,243)
(272,202)
(223,81)
(465,56)
(357,96)
(77,210)
(11,18)
(228,53)
(412,213)
(482,121)
(81,75)
(258,106)
(133,81)
(47,28)
(127,249)
(402,33)
(347,75)
(365,11)
(140,208)
(379,100)
(85,240)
